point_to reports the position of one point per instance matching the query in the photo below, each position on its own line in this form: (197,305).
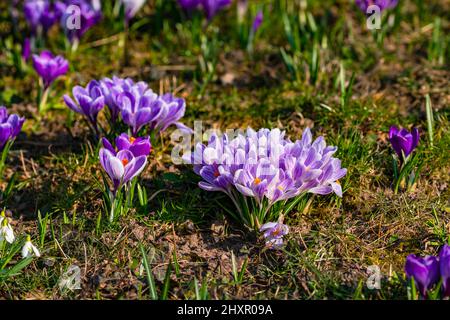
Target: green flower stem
(43,97)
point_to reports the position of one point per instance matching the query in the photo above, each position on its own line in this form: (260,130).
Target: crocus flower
(111,88)
(138,106)
(257,21)
(49,67)
(167,111)
(29,249)
(6,231)
(89,15)
(189,5)
(274,233)
(444,263)
(10,126)
(138,146)
(382,4)
(212,7)
(121,167)
(403,142)
(132,7)
(88,101)
(424,271)
(41,15)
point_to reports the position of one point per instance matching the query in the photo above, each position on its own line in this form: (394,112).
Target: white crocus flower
(6,231)
(30,249)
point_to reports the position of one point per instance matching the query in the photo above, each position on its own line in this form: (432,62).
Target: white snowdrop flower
(6,231)
(30,249)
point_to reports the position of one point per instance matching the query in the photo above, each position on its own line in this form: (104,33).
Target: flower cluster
(41,15)
(427,271)
(7,236)
(210,7)
(89,15)
(267,167)
(136,104)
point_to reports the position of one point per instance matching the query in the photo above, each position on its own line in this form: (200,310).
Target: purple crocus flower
(212,7)
(111,88)
(10,126)
(121,167)
(49,67)
(257,21)
(89,15)
(444,263)
(189,5)
(41,15)
(424,271)
(88,101)
(168,111)
(382,4)
(137,105)
(138,146)
(403,142)
(132,7)
(274,233)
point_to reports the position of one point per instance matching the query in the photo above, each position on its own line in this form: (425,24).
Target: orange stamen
(132,140)
(257,181)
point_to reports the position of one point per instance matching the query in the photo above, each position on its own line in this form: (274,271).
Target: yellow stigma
(276,232)
(280,188)
(132,140)
(257,181)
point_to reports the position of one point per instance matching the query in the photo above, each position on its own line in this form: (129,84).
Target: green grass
(333,76)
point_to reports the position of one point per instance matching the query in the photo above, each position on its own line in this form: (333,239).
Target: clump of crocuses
(122,165)
(133,103)
(49,68)
(426,272)
(404,142)
(264,173)
(10,127)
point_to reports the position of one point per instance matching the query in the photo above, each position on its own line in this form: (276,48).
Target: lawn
(309,64)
